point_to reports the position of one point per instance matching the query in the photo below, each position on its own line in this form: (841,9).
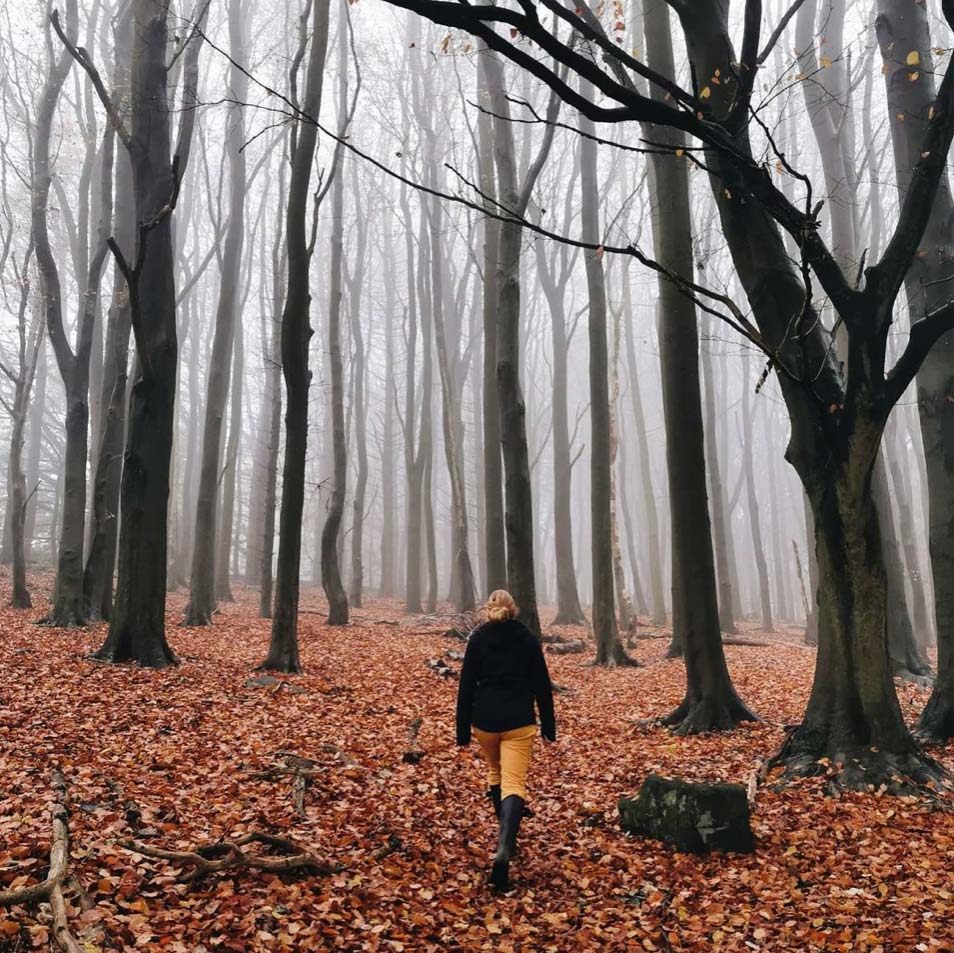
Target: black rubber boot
(511,810)
(494,794)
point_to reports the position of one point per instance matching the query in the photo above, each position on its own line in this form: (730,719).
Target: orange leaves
(193,747)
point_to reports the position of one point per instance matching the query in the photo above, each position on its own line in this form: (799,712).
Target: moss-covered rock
(692,817)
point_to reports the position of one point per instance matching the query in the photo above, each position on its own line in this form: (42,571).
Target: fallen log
(567,648)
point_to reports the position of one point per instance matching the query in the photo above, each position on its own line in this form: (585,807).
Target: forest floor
(190,755)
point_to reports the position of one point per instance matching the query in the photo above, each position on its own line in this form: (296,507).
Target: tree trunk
(752,502)
(720,526)
(296,333)
(67,607)
(273,408)
(518,495)
(853,719)
(711,702)
(495,544)
(202,581)
(569,610)
(230,464)
(609,649)
(330,570)
(903,29)
(657,594)
(359,372)
(137,628)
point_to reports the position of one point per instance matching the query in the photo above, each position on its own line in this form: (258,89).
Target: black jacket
(503,672)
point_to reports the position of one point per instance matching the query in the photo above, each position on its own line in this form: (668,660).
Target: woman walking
(504,672)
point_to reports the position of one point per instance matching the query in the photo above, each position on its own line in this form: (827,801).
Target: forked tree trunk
(296,333)
(68,608)
(137,629)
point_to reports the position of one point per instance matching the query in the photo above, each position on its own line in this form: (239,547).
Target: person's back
(503,674)
(505,662)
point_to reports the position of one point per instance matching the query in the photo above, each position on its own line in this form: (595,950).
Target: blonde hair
(500,606)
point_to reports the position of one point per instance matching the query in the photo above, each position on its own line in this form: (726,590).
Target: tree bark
(202,595)
(495,543)
(901,30)
(137,628)
(330,570)
(720,525)
(569,609)
(296,333)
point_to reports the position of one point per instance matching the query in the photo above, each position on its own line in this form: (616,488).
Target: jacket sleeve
(542,690)
(466,690)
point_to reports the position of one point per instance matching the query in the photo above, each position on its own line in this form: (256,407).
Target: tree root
(805,754)
(231,855)
(64,617)
(702,715)
(936,725)
(51,889)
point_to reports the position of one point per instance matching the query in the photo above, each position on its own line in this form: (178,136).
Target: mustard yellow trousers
(508,758)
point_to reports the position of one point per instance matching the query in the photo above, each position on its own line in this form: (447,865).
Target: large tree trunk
(202,580)
(711,702)
(902,29)
(853,704)
(518,495)
(853,719)
(296,333)
(495,544)
(137,629)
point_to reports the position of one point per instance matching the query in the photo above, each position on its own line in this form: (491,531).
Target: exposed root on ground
(861,768)
(701,715)
(50,890)
(231,854)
